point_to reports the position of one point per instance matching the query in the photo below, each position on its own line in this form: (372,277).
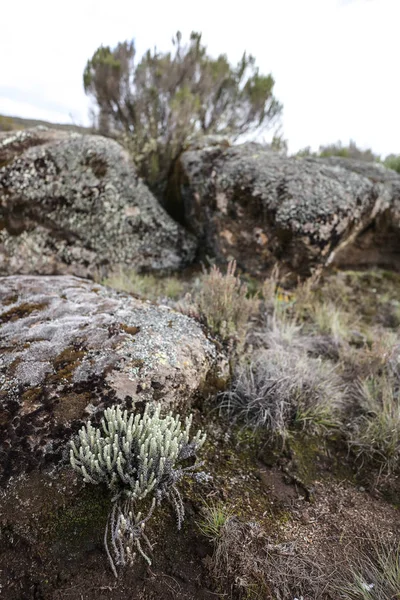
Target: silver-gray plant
(136,456)
(281,389)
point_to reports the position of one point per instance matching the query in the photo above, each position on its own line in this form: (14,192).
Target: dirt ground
(311,497)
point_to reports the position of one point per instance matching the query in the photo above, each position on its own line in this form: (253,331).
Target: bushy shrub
(136,457)
(281,390)
(350,151)
(223,302)
(392,162)
(305,152)
(338,149)
(165,99)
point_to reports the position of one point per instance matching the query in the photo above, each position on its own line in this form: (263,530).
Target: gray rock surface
(73,204)
(379,242)
(70,347)
(248,203)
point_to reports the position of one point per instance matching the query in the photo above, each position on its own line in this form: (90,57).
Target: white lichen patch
(74,204)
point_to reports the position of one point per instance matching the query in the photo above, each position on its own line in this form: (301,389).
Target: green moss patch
(81,523)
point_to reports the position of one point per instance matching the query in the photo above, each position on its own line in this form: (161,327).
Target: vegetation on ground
(302,359)
(225,303)
(8,123)
(303,453)
(137,457)
(392,161)
(314,391)
(146,285)
(375,434)
(215,516)
(281,389)
(374,574)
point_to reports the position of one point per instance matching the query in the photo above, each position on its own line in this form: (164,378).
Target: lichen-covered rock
(73,204)
(379,242)
(69,348)
(259,207)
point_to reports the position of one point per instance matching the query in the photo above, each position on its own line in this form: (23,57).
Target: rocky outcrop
(70,348)
(248,203)
(378,244)
(73,204)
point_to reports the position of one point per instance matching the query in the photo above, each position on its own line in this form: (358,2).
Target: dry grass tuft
(146,285)
(224,303)
(282,331)
(374,575)
(330,320)
(247,565)
(281,390)
(375,434)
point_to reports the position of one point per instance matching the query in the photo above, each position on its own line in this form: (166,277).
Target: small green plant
(137,457)
(215,517)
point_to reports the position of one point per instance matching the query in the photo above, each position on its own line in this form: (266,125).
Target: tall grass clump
(281,390)
(374,575)
(214,519)
(282,331)
(330,320)
(375,434)
(224,303)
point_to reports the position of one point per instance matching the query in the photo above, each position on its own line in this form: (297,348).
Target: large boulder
(254,205)
(73,204)
(69,348)
(378,243)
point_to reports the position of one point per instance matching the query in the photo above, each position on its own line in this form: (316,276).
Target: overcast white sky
(335,62)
